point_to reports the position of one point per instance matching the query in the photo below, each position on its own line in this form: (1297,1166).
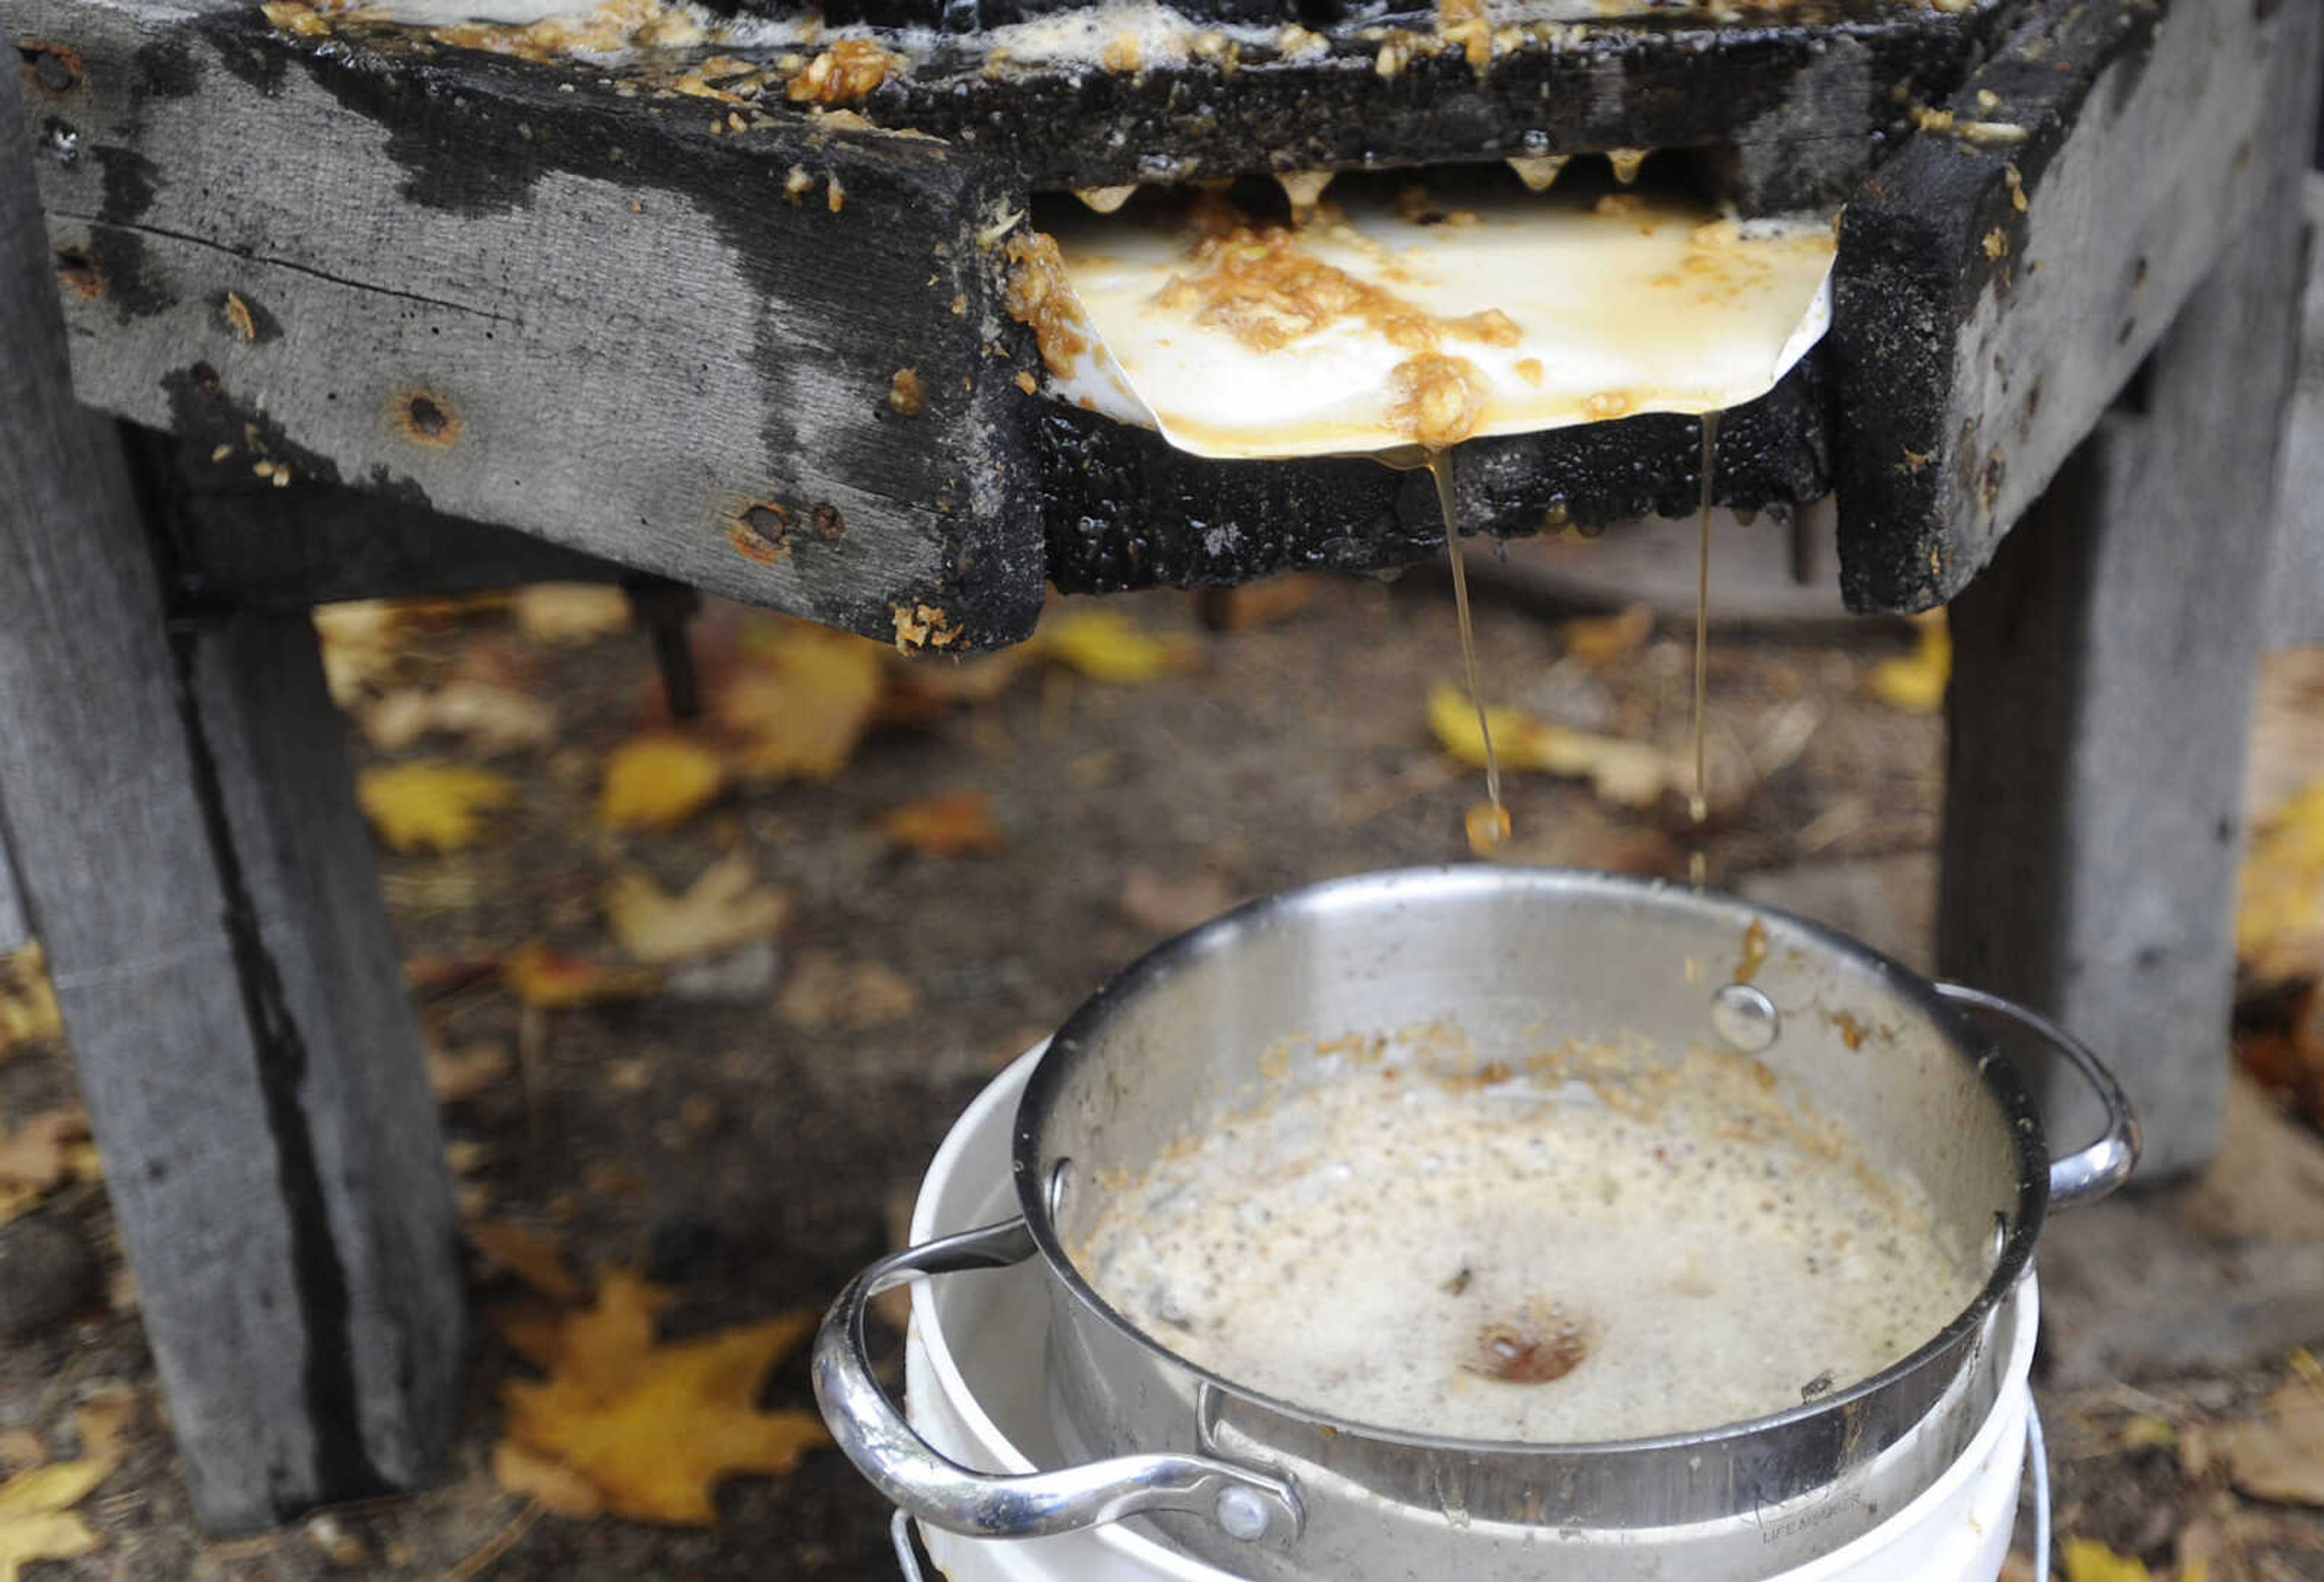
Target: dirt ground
(754,1160)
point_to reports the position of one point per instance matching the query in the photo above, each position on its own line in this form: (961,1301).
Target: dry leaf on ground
(36,1517)
(102,1418)
(489,719)
(657,781)
(1601,639)
(457,1075)
(824,990)
(1106,645)
(548,1482)
(533,1257)
(426,803)
(544,977)
(28,1004)
(800,702)
(2279,913)
(2280,1454)
(1255,604)
(570,613)
(1915,684)
(654,1427)
(40,1155)
(2086,1560)
(723,908)
(361,640)
(1627,774)
(1173,904)
(958,823)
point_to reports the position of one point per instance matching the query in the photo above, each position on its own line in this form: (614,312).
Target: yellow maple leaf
(652,1426)
(570,613)
(722,908)
(1627,773)
(2279,913)
(542,976)
(36,1518)
(801,702)
(956,823)
(490,718)
(1601,639)
(1105,645)
(429,803)
(1916,683)
(2086,1560)
(657,781)
(28,1004)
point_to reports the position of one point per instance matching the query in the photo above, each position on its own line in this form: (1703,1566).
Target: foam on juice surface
(1561,1254)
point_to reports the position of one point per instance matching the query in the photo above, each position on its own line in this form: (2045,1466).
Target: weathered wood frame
(181,807)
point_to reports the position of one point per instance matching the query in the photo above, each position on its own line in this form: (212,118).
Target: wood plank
(565,312)
(2101,693)
(179,803)
(1975,343)
(16,927)
(316,543)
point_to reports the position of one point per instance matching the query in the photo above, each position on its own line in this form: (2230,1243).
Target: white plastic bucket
(974,1389)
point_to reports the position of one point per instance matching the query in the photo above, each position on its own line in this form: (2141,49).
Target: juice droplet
(1440,468)
(1488,827)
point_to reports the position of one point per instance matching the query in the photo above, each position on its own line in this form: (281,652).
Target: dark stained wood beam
(2002,277)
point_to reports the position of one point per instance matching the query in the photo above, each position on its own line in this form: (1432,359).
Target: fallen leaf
(920,691)
(102,1419)
(457,1075)
(958,823)
(2086,1560)
(1599,640)
(1916,683)
(2280,1454)
(361,640)
(546,977)
(2146,1432)
(1172,906)
(824,990)
(21,1446)
(533,1257)
(2280,912)
(548,1483)
(40,1155)
(489,719)
(430,804)
(653,1427)
(800,703)
(36,1518)
(570,613)
(28,1003)
(1105,645)
(1254,604)
(1627,774)
(721,909)
(656,781)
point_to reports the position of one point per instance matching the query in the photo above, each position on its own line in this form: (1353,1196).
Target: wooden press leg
(182,814)
(2101,699)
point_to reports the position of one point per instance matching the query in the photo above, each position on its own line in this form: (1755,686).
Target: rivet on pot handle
(868,1426)
(2093,1173)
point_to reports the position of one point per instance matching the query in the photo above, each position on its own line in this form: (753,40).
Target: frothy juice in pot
(1594,1246)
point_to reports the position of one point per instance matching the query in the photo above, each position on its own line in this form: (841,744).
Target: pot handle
(875,1434)
(2092,1173)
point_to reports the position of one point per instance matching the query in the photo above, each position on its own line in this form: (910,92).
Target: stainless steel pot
(1277,1492)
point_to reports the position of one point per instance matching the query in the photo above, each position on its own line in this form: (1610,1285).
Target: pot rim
(1995,1075)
